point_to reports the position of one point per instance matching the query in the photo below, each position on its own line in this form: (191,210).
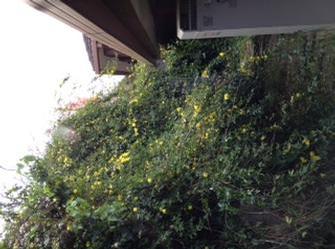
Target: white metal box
(222,18)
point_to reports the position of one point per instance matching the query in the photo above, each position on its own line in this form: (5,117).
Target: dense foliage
(229,145)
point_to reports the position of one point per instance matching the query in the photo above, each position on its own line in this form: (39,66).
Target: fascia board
(64,13)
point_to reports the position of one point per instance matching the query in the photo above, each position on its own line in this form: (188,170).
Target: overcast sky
(36,53)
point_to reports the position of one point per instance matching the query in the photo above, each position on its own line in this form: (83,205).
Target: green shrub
(222,148)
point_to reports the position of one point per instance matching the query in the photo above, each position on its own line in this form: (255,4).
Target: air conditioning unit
(223,18)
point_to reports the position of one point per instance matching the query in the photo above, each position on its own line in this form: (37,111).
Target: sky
(36,53)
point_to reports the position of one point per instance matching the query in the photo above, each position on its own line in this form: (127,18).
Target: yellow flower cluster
(181,114)
(96,185)
(123,158)
(211,118)
(312,156)
(120,161)
(110,189)
(134,123)
(65,160)
(257,59)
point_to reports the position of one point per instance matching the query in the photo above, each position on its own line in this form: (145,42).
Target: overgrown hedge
(229,145)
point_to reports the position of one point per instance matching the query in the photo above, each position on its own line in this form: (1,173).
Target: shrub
(225,147)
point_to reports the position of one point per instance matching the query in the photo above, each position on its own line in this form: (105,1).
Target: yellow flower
(163,210)
(205,175)
(314,157)
(205,74)
(306,142)
(226,97)
(134,101)
(135,210)
(198,126)
(206,135)
(123,158)
(242,112)
(244,70)
(303,160)
(149,180)
(67,161)
(136,131)
(197,110)
(211,118)
(179,109)
(275,127)
(222,55)
(112,71)
(69,228)
(160,142)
